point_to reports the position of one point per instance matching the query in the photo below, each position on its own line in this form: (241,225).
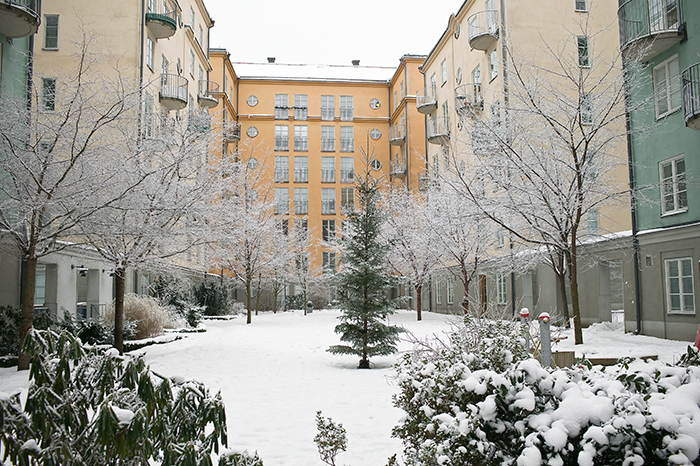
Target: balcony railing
(327,145)
(328,207)
(426,101)
(328,176)
(281,175)
(281,207)
(301,175)
(438,131)
(691,96)
(199,122)
(162,25)
(347,176)
(423,181)
(649,27)
(173,91)
(208,94)
(483,29)
(468,99)
(301,207)
(397,134)
(282,143)
(232,132)
(397,168)
(19,18)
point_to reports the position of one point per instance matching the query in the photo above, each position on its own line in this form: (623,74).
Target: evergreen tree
(363,282)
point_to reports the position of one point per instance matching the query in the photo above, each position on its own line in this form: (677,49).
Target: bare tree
(52,161)
(413,254)
(546,156)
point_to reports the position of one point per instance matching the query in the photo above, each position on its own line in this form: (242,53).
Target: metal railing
(468,98)
(397,167)
(301,207)
(483,23)
(426,97)
(328,207)
(173,86)
(346,114)
(327,145)
(397,133)
(301,145)
(232,132)
(208,93)
(281,175)
(438,130)
(301,175)
(691,92)
(327,175)
(640,18)
(282,143)
(347,176)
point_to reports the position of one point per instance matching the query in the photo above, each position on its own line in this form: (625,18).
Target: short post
(524,314)
(545,340)
(309,307)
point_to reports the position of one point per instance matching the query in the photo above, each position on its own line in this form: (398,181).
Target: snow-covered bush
(87,406)
(145,311)
(472,401)
(239,458)
(97,331)
(330,440)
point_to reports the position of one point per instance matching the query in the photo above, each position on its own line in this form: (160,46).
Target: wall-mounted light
(82,270)
(109,272)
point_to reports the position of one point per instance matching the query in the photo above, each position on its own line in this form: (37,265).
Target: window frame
(346,108)
(301,107)
(579,9)
(669,91)
(281,106)
(301,173)
(493,64)
(347,140)
(327,108)
(583,46)
(347,198)
(281,169)
(301,138)
(682,292)
(678,182)
(327,169)
(47,36)
(281,209)
(443,72)
(328,230)
(501,288)
(347,169)
(438,292)
(301,201)
(328,201)
(282,138)
(327,143)
(450,290)
(48,96)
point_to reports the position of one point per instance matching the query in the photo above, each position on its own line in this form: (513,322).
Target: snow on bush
(149,316)
(476,399)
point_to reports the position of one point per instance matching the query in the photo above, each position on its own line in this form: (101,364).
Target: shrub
(295,302)
(91,406)
(10,317)
(474,400)
(145,312)
(97,331)
(330,440)
(212,297)
(239,458)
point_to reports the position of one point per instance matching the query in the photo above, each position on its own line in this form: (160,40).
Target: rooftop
(246,70)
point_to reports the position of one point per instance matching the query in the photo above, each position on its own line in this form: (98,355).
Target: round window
(375,104)
(252,100)
(375,134)
(376,164)
(252,131)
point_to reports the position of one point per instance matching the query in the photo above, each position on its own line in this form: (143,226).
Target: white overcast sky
(333,32)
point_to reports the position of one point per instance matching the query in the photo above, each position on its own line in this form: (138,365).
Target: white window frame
(347,139)
(327,107)
(346,108)
(192,19)
(501,288)
(581,5)
(493,64)
(301,169)
(281,169)
(347,198)
(450,290)
(327,138)
(684,288)
(328,229)
(150,47)
(48,94)
(593,221)
(51,32)
(281,138)
(669,88)
(192,63)
(281,106)
(301,107)
(674,186)
(443,72)
(282,201)
(583,46)
(438,292)
(301,138)
(327,169)
(347,169)
(301,201)
(328,201)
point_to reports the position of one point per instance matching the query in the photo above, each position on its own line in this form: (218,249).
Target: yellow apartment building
(159,45)
(466,71)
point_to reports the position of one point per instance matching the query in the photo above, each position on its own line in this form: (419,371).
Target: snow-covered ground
(275,374)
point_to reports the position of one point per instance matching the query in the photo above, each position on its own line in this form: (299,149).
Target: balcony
(468,99)
(199,122)
(438,131)
(232,132)
(426,100)
(691,96)
(208,94)
(649,27)
(173,91)
(397,135)
(423,181)
(483,29)
(19,18)
(397,168)
(162,25)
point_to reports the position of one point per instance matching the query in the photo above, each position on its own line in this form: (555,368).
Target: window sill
(679,313)
(674,212)
(670,112)
(50,49)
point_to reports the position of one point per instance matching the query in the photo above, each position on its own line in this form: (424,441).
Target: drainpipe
(143,40)
(633,211)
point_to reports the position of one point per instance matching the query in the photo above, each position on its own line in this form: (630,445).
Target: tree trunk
(120,288)
(364,362)
(465,298)
(561,280)
(575,308)
(419,301)
(249,302)
(27,320)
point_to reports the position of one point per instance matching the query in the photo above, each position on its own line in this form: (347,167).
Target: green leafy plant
(330,439)
(237,458)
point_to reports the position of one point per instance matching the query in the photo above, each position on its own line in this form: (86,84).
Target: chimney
(356,63)
(270,59)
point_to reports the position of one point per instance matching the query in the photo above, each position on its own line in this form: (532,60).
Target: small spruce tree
(363,282)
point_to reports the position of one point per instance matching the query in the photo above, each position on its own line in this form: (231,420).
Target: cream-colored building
(467,72)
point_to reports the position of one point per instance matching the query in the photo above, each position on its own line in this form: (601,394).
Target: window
(149,52)
(583,52)
(450,290)
(679,285)
(445,117)
(347,139)
(48,94)
(438,292)
(192,19)
(500,239)
(667,87)
(281,200)
(151,6)
(328,262)
(301,169)
(51,32)
(327,139)
(301,107)
(476,80)
(201,38)
(164,65)
(674,197)
(327,107)
(443,72)
(282,137)
(301,201)
(301,138)
(493,64)
(192,63)
(501,288)
(347,199)
(328,201)
(281,107)
(586,109)
(433,86)
(593,221)
(301,226)
(327,230)
(346,113)
(283,226)
(281,169)
(663,15)
(581,5)
(327,169)
(149,116)
(347,167)
(396,100)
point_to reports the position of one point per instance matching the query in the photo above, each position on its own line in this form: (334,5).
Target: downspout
(405,127)
(633,210)
(143,40)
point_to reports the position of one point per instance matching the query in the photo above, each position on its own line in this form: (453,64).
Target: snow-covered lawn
(275,374)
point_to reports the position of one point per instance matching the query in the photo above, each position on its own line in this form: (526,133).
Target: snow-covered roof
(313,72)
